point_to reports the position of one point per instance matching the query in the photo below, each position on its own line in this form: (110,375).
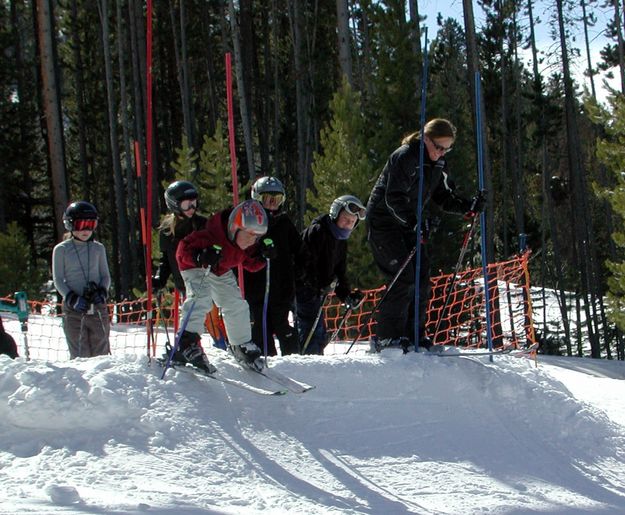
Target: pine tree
(610,153)
(343,168)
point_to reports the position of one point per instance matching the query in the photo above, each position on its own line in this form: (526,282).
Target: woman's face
(438,147)
(346,220)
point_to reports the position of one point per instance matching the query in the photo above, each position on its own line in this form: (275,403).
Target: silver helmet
(269,185)
(350,203)
(249,215)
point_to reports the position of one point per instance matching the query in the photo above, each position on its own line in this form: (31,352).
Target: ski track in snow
(381,434)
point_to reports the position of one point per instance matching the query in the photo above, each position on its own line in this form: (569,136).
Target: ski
(226,380)
(497,352)
(291,384)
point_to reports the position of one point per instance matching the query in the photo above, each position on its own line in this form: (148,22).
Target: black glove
(354,299)
(209,256)
(327,290)
(268,249)
(100,295)
(157,283)
(76,302)
(478,204)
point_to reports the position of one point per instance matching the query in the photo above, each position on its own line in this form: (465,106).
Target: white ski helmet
(350,203)
(249,215)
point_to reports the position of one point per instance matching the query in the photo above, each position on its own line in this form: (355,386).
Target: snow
(380,434)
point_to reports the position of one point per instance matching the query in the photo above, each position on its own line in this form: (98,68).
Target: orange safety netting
(462,322)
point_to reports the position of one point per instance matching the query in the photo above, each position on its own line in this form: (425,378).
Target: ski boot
(190,351)
(248,354)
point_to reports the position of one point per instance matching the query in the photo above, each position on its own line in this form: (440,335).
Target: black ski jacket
(394,197)
(169,244)
(284,267)
(324,257)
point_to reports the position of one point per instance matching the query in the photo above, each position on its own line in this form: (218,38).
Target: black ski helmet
(178,191)
(267,185)
(350,203)
(81,210)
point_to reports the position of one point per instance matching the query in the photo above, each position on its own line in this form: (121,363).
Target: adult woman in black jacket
(269,191)
(391,226)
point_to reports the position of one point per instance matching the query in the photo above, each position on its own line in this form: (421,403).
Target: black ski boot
(190,351)
(248,354)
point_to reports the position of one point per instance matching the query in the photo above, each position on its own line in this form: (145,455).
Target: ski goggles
(273,195)
(354,209)
(186,205)
(85,225)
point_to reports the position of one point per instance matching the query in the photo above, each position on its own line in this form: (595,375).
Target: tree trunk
(123,288)
(344,40)
(244,106)
(52,112)
(128,151)
(580,204)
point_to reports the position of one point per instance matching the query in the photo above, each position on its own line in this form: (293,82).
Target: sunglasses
(185,205)
(440,148)
(356,210)
(85,225)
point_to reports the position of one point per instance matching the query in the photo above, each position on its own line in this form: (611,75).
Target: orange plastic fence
(463,321)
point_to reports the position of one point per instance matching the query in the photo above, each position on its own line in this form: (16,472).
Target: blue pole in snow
(420,197)
(480,168)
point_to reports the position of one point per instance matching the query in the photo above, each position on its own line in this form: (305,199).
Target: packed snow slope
(380,434)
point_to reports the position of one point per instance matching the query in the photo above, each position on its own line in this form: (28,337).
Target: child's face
(346,220)
(245,239)
(83,235)
(272,201)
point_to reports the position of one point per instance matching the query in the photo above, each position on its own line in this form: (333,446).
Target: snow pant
(205,288)
(308,306)
(395,316)
(87,334)
(278,324)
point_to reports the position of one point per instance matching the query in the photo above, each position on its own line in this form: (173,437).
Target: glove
(157,283)
(354,299)
(268,249)
(478,204)
(209,256)
(100,296)
(76,302)
(327,290)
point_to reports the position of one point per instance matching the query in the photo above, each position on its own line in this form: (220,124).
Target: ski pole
(265,306)
(388,289)
(317,318)
(463,250)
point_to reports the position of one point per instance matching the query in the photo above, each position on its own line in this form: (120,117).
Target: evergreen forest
(323,92)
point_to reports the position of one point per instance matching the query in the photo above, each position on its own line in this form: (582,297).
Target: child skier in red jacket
(206,259)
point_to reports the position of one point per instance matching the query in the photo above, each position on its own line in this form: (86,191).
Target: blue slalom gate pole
(424,82)
(480,169)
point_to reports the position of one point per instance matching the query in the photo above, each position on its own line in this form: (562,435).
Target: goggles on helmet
(355,209)
(85,225)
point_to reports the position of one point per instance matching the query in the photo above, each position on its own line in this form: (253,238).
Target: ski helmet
(178,191)
(249,215)
(350,203)
(80,215)
(268,185)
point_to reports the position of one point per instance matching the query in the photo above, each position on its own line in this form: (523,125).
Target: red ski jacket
(215,233)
